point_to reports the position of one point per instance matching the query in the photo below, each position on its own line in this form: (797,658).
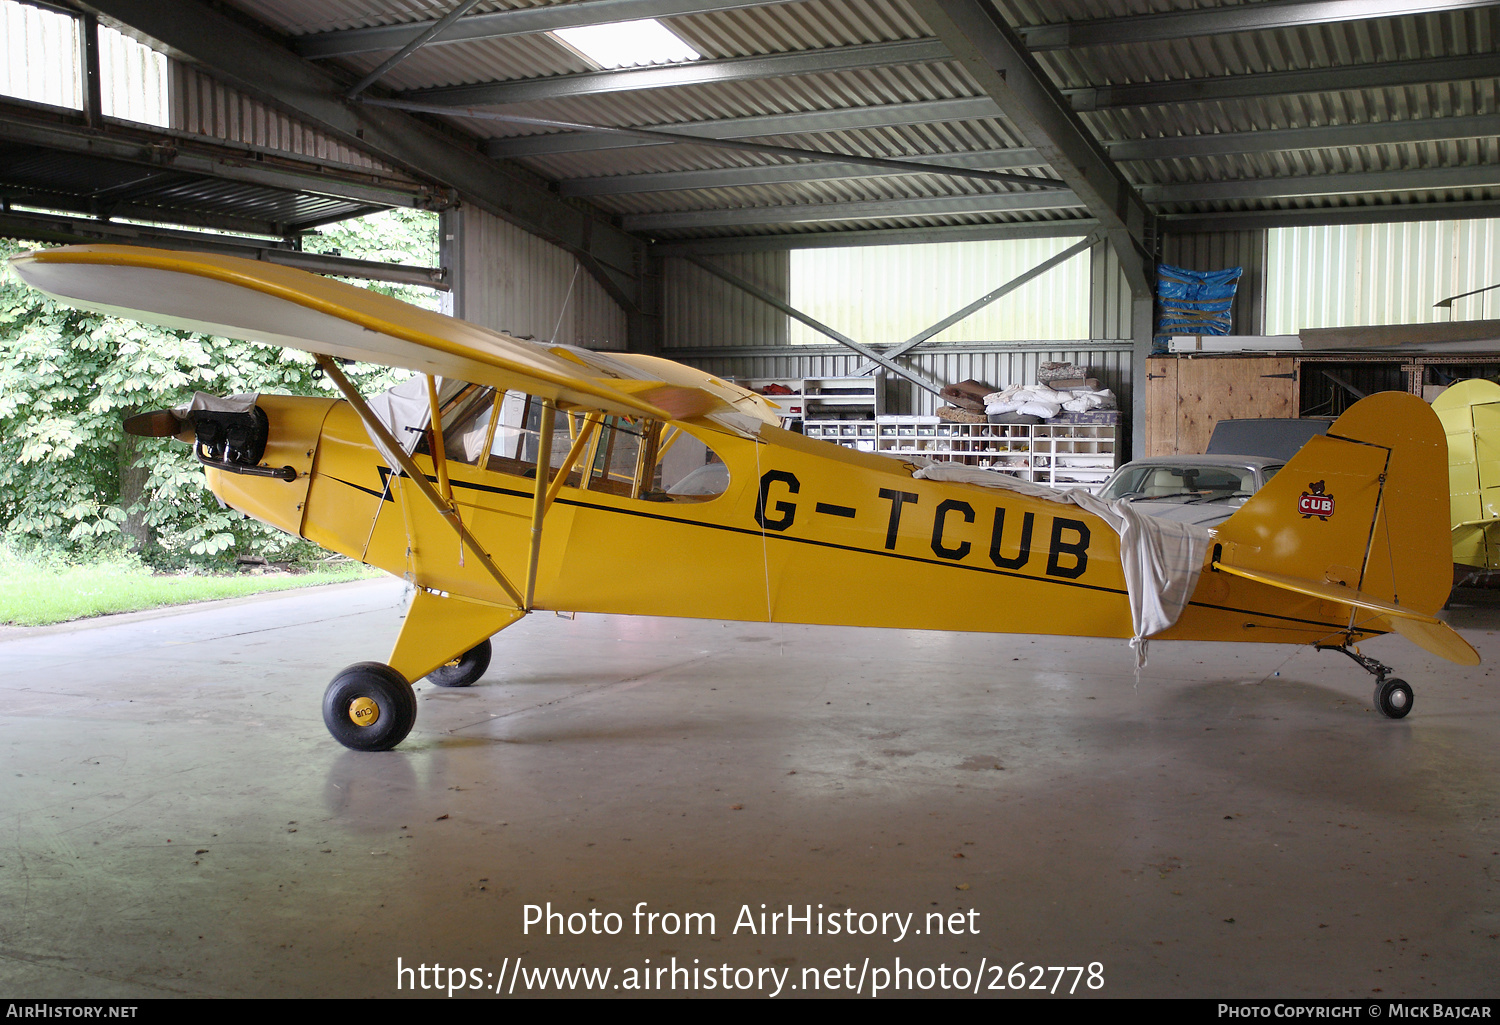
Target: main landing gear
(1393,696)
(370,706)
(463,670)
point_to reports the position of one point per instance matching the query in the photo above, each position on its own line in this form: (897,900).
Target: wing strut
(580,442)
(388,447)
(539,495)
(439,448)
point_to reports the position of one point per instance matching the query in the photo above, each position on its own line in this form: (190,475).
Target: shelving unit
(822,398)
(1063,455)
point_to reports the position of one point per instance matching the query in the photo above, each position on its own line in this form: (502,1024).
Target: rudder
(1365,506)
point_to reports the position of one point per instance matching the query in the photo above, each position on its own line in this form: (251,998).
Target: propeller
(158,423)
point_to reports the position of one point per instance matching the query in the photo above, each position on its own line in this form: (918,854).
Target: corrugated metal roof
(1125,77)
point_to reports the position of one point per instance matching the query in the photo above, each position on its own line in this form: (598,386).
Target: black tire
(465,669)
(1393,698)
(394,704)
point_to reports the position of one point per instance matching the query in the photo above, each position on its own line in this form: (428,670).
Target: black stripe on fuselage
(513,493)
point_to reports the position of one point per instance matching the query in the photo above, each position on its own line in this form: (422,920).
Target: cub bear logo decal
(1315,503)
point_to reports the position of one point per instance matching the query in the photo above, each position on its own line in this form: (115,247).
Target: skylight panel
(628,44)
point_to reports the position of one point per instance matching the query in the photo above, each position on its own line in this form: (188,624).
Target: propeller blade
(159,423)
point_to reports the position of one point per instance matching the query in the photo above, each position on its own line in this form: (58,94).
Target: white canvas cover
(1161,559)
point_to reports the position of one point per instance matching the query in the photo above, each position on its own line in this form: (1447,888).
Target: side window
(690,470)
(636,458)
(466,423)
(498,431)
(517,435)
(655,462)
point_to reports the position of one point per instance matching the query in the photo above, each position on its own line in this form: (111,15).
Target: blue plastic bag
(1194,302)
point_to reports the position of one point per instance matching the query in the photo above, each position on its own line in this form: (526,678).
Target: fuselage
(806,532)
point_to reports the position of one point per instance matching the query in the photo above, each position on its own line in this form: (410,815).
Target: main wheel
(1393,698)
(464,669)
(369,707)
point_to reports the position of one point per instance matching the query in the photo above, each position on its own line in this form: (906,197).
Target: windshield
(1181,482)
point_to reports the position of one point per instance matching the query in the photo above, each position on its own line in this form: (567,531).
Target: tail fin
(1470,414)
(1361,515)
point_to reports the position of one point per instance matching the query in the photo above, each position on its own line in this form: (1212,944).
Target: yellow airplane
(511,477)
(1470,415)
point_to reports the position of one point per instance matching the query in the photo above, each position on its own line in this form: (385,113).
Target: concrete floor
(176,821)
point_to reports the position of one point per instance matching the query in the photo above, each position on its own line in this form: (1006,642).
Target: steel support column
(1142,328)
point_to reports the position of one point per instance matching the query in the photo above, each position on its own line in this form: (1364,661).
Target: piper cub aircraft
(510,477)
(1470,414)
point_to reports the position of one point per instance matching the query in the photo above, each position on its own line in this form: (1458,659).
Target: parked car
(1204,490)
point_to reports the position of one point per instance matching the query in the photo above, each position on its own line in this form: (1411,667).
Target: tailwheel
(369,707)
(1393,698)
(465,669)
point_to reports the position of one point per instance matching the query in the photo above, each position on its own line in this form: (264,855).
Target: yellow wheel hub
(363,712)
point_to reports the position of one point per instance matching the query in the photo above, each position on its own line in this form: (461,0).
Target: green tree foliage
(69,475)
(392,236)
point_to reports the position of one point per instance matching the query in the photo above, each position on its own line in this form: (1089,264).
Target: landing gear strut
(1393,696)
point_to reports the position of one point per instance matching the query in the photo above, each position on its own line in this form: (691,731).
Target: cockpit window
(627,456)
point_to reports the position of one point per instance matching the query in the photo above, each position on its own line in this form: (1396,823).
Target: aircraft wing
(264,302)
(1425,631)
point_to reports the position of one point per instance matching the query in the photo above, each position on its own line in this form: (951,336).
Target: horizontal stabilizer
(1488,522)
(1427,632)
(1438,638)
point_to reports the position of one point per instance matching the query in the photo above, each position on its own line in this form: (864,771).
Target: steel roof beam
(265,69)
(1256,17)
(1280,140)
(1418,179)
(422,39)
(903,165)
(1272,14)
(877,237)
(1287,83)
(731,177)
(814,213)
(705,72)
(498,24)
(195,218)
(1183,224)
(888,115)
(990,51)
(38,227)
(158,148)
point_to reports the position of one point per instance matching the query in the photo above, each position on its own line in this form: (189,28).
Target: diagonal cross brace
(980,303)
(816,325)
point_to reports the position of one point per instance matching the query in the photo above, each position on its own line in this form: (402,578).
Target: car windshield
(1181,482)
